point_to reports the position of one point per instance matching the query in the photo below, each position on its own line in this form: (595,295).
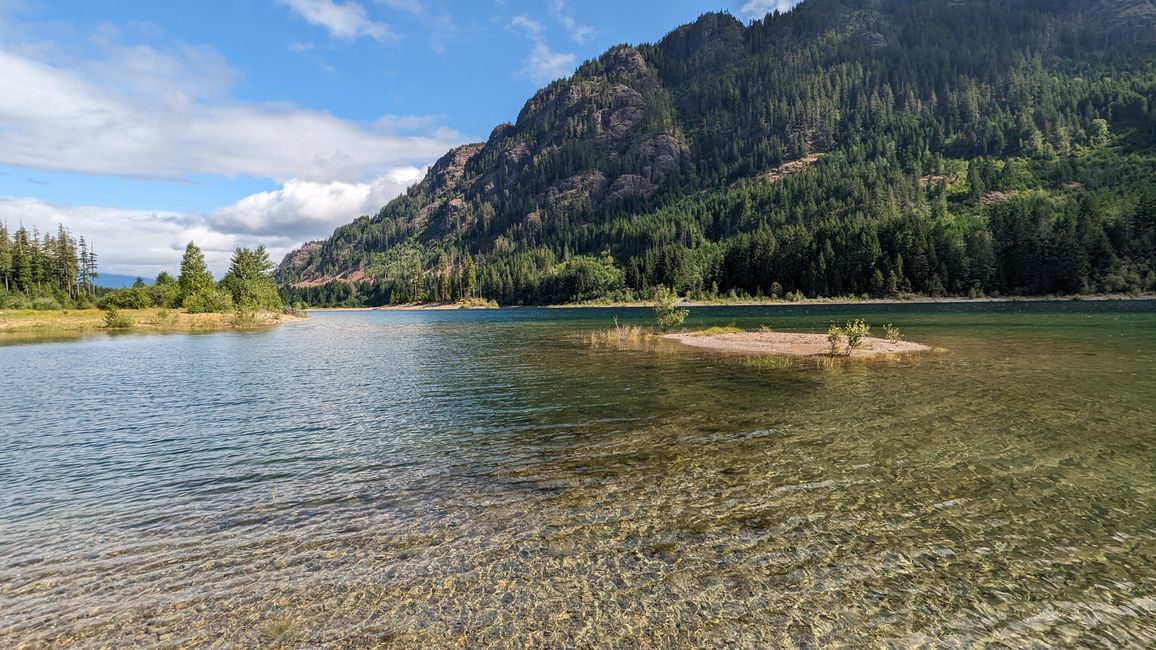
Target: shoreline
(918,300)
(639,304)
(416,306)
(151,320)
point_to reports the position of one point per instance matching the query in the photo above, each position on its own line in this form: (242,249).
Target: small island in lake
(790,344)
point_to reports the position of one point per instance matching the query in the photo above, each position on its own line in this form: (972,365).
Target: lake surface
(493,479)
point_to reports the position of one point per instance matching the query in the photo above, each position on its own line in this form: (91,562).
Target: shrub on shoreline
(114,320)
(666,310)
(854,333)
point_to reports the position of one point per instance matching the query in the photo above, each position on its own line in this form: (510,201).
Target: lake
(494,479)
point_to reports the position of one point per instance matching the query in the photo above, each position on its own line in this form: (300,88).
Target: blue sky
(142,125)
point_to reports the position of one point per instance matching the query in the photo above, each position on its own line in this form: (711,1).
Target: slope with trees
(877,147)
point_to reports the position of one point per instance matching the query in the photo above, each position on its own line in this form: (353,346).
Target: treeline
(247,285)
(45,271)
(413,275)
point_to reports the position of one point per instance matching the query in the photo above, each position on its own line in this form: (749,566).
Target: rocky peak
(625,65)
(451,168)
(296,260)
(713,38)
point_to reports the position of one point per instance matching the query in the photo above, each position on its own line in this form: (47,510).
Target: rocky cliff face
(1131,20)
(606,136)
(298,259)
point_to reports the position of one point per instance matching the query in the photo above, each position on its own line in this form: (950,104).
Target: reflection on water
(453,479)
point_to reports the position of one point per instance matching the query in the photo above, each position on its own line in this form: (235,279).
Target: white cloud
(579,32)
(348,21)
(544,64)
(307,210)
(146,242)
(129,242)
(144,112)
(755,9)
(167,112)
(532,27)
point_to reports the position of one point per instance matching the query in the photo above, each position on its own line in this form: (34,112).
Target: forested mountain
(846,147)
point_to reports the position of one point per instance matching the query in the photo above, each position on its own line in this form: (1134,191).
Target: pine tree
(195,276)
(22,254)
(469,276)
(248,280)
(5,257)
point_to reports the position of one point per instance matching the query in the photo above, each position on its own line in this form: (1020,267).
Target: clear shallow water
(492,479)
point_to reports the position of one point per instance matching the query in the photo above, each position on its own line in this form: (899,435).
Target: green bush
(892,333)
(243,317)
(14,300)
(666,310)
(114,320)
(834,338)
(208,300)
(46,304)
(856,331)
(134,298)
(258,295)
(166,316)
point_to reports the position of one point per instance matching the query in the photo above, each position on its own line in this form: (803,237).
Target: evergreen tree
(194,276)
(469,276)
(248,280)
(165,292)
(5,257)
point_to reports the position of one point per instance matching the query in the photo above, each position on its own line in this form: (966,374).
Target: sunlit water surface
(445,479)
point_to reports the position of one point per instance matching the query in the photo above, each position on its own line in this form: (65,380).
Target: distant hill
(846,147)
(112,281)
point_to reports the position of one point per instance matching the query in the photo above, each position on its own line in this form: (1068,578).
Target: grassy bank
(152,319)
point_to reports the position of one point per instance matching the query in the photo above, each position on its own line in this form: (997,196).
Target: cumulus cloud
(347,21)
(145,112)
(146,242)
(755,9)
(544,64)
(306,210)
(129,242)
(167,112)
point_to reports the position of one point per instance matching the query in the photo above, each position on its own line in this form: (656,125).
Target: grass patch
(717,330)
(770,363)
(621,334)
(152,319)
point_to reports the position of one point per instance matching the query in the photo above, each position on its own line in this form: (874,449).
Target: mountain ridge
(888,88)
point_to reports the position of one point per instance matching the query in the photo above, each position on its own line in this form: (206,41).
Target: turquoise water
(494,479)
